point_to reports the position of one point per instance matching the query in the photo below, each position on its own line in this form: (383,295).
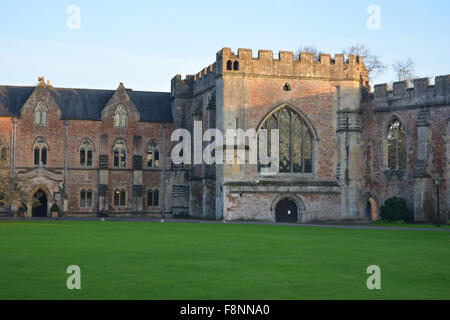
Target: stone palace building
(343,150)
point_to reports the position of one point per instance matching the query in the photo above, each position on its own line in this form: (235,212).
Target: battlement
(290,65)
(196,83)
(421,93)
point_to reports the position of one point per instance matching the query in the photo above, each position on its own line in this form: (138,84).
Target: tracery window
(295,140)
(396,145)
(40,149)
(86,153)
(41,114)
(120,117)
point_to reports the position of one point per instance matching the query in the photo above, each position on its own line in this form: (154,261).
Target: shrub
(395,209)
(54,208)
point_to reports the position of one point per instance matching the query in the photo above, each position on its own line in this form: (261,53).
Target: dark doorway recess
(286,211)
(40,205)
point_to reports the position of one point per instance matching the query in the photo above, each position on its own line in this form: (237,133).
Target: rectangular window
(116,198)
(150,198)
(44,156)
(123,159)
(156,158)
(83,199)
(89,198)
(82,157)
(89,158)
(156,198)
(116,158)
(36,156)
(122,198)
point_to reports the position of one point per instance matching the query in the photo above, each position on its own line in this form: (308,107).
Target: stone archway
(40,207)
(370,205)
(287,209)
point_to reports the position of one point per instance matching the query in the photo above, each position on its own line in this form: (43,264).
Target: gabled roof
(87,104)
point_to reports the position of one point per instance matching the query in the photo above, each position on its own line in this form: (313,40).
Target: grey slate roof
(12,99)
(87,104)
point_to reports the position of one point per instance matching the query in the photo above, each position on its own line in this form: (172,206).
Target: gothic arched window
(86,153)
(40,149)
(296,140)
(153,155)
(120,116)
(41,114)
(120,153)
(396,145)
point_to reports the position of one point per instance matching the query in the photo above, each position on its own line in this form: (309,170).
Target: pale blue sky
(145,43)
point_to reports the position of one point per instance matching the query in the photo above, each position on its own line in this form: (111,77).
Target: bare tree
(310,49)
(372,62)
(13,193)
(404,69)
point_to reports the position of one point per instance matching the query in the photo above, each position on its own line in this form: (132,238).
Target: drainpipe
(66,125)
(14,146)
(164,126)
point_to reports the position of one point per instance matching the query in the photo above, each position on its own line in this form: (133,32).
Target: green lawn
(139,260)
(408,225)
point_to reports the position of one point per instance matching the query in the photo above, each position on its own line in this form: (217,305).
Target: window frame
(41,114)
(307,129)
(120,154)
(40,149)
(120,118)
(122,195)
(386,143)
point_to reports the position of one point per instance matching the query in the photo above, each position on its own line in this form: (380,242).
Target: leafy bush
(395,209)
(54,208)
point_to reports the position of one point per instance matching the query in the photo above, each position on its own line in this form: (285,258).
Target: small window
(89,198)
(229,65)
(150,198)
(236,65)
(83,198)
(156,198)
(123,200)
(36,156)
(44,156)
(116,198)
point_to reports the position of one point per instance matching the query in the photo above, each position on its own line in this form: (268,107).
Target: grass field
(140,260)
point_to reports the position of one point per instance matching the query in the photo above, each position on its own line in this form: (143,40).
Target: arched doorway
(286,211)
(39,204)
(371,209)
